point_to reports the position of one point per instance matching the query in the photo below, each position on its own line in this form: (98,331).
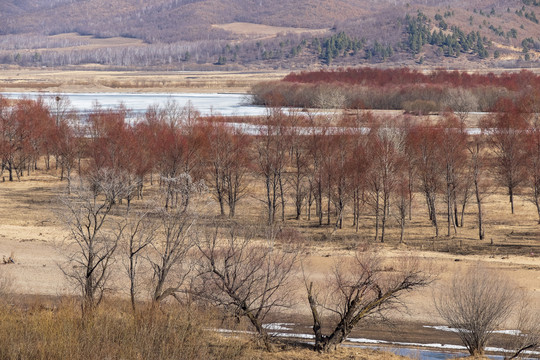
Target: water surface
(206,104)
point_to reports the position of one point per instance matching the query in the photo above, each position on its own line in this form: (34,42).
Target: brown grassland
(258,31)
(95,79)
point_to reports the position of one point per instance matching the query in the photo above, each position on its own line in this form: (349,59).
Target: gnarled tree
(357,289)
(245,278)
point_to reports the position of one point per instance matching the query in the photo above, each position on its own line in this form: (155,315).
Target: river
(206,104)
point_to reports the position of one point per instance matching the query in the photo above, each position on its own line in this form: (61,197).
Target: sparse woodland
(165,194)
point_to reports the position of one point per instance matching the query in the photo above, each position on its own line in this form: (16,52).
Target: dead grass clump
(6,285)
(31,330)
(289,236)
(299,352)
(111,333)
(30,85)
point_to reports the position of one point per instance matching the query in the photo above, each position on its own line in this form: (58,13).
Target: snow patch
(278,326)
(293,335)
(381,342)
(450,329)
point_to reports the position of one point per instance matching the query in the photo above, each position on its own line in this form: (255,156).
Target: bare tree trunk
(318,209)
(434,215)
(355,199)
(462,214)
(428,203)
(377,215)
(479,202)
(269,202)
(384,215)
(448,208)
(218,179)
(309,201)
(402,230)
(329,195)
(537,204)
(410,187)
(282,196)
(511,193)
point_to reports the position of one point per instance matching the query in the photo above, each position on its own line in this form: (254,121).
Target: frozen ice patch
(450,329)
(278,326)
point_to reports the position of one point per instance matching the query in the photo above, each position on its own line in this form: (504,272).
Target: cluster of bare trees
(169,250)
(220,264)
(24,135)
(366,169)
(378,168)
(199,52)
(228,266)
(166,253)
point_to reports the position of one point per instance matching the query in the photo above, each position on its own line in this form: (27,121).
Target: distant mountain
(198,32)
(168,20)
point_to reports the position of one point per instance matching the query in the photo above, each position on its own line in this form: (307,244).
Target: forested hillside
(216,33)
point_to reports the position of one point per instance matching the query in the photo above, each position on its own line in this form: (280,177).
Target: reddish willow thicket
(405,76)
(401,88)
(323,174)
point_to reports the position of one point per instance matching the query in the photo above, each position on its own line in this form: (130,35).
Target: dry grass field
(95,79)
(259,31)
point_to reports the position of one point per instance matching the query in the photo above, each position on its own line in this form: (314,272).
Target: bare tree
(533,166)
(298,177)
(357,289)
(138,231)
(179,190)
(462,102)
(271,157)
(424,143)
(386,152)
(476,302)
(401,200)
(168,253)
(92,233)
(453,148)
(478,166)
(244,278)
(527,338)
(229,161)
(506,129)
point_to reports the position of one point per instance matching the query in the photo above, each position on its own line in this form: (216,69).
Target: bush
(476,303)
(420,107)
